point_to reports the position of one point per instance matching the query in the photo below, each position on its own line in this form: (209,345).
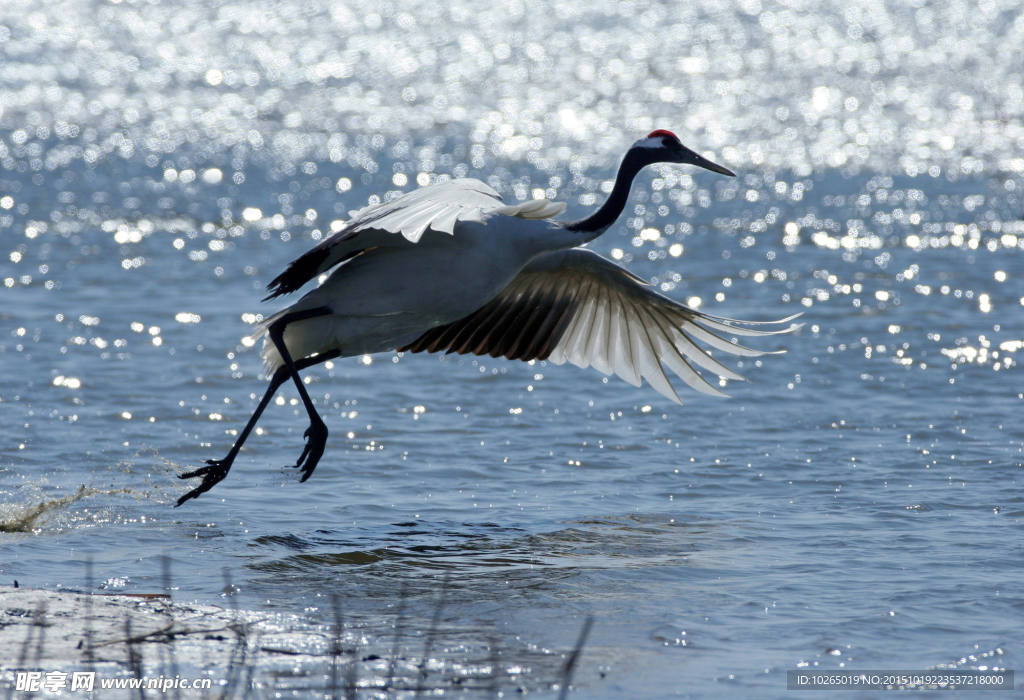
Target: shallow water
(855,505)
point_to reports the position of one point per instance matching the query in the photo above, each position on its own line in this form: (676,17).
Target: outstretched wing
(577,306)
(437,206)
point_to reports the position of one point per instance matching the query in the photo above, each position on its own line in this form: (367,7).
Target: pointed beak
(691,158)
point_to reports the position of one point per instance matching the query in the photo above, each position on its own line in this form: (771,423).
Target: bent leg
(217,469)
(316,433)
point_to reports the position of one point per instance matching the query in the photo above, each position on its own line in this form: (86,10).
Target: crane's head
(663,146)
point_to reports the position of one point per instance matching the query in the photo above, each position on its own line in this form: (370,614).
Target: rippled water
(856,504)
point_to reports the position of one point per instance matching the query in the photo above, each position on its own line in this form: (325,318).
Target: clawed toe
(316,442)
(212,474)
(214,464)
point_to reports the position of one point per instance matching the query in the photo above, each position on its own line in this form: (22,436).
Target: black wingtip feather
(298,272)
(305,268)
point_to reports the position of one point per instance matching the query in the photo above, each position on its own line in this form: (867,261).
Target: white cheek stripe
(655,142)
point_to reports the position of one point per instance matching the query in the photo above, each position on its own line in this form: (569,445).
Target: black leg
(218,468)
(316,433)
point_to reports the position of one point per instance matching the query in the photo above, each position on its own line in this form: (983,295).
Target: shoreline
(156,639)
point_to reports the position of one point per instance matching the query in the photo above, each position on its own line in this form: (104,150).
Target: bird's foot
(316,441)
(212,474)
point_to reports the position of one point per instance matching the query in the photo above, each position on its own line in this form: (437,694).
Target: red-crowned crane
(450,267)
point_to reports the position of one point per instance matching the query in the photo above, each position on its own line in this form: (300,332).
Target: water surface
(855,505)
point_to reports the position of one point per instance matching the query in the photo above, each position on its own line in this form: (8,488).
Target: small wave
(29,516)
(25,517)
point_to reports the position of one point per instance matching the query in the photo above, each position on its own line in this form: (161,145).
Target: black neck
(598,222)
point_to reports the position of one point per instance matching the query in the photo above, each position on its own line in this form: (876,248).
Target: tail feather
(272,359)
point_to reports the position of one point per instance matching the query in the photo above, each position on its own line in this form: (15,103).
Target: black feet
(316,441)
(217,469)
(212,475)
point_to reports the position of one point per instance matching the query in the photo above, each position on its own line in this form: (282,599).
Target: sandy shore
(153,637)
(44,628)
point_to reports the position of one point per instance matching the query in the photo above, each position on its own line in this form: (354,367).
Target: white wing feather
(575,306)
(439,206)
(625,328)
